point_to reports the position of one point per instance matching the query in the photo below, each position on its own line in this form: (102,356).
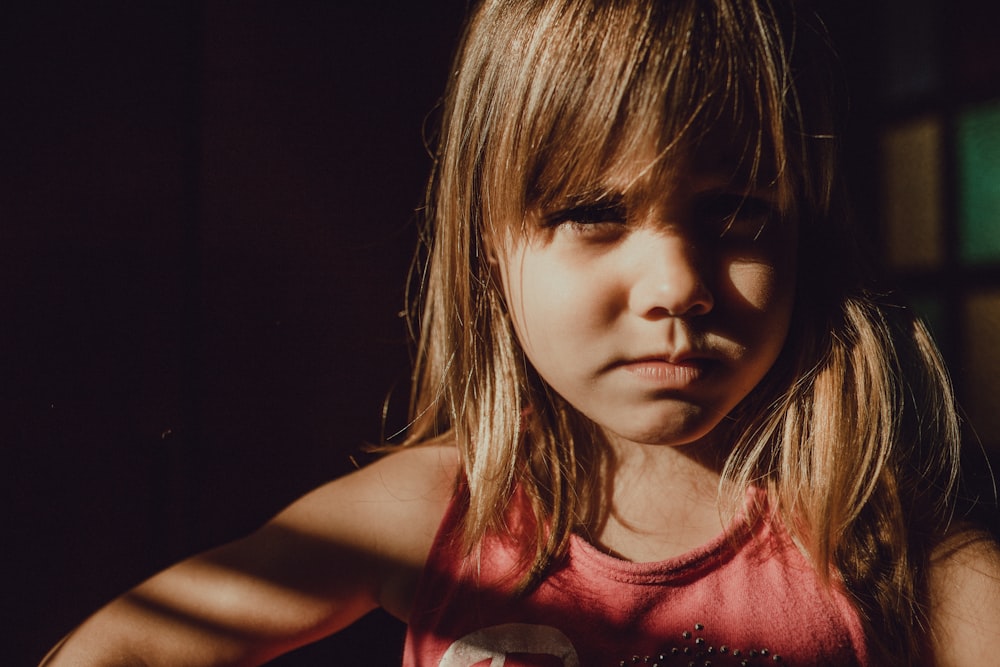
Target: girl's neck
(663,501)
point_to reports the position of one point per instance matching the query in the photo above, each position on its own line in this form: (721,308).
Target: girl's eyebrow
(607,204)
(720,180)
(595,197)
(728,164)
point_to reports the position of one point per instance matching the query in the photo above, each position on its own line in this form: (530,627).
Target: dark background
(205,226)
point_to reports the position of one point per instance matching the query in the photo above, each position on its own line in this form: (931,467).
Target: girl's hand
(352,545)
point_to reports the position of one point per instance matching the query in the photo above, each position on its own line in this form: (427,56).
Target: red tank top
(748,598)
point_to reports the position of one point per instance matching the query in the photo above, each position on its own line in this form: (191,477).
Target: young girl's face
(654,308)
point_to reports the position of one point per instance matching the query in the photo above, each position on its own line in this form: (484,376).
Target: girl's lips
(668,374)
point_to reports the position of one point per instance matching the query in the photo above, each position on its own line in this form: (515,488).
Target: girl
(656,419)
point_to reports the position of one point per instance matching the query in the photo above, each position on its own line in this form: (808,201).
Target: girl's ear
(490,254)
(490,250)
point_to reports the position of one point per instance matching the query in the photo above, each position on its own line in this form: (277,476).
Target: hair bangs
(637,88)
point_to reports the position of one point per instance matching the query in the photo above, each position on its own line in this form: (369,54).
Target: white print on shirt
(496,643)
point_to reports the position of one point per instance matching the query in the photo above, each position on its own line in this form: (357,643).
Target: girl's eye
(733,217)
(597,220)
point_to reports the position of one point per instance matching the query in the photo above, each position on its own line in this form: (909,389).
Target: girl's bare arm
(965,602)
(352,545)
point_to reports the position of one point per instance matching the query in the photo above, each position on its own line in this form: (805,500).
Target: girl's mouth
(666,374)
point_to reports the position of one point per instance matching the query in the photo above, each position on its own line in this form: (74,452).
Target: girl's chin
(672,436)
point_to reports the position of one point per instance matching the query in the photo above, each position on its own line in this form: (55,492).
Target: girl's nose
(668,278)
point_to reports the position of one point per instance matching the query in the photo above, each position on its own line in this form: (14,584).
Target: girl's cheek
(754,286)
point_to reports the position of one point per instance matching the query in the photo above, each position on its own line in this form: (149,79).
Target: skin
(582,300)
(352,545)
(654,308)
(653,319)
(965,602)
(359,542)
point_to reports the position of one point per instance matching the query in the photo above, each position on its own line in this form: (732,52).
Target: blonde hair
(853,432)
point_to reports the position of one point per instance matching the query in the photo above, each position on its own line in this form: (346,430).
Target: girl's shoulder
(405,485)
(964,587)
(406,478)
(388,512)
